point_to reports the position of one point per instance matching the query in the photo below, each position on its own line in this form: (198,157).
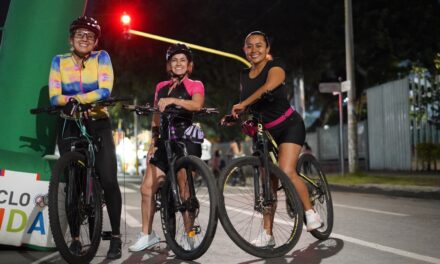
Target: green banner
(33,33)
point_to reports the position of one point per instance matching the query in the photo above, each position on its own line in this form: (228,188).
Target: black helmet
(179,48)
(85,22)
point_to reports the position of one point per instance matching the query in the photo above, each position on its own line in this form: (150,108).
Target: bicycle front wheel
(71,216)
(245,214)
(189,230)
(309,169)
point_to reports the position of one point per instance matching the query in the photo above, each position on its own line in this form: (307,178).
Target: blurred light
(126,23)
(125,19)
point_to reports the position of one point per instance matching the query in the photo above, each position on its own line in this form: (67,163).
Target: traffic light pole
(193,46)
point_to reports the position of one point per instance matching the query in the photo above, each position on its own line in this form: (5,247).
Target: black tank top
(270,108)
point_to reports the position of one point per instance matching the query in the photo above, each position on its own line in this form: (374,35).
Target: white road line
(369,210)
(130,207)
(127,190)
(388,249)
(41,260)
(128,218)
(360,242)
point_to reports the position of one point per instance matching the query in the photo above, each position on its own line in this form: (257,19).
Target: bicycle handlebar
(81,107)
(147,109)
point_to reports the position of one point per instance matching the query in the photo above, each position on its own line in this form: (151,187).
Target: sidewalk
(391,190)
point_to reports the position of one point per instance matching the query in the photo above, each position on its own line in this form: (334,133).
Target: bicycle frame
(265,137)
(171,158)
(85,145)
(261,149)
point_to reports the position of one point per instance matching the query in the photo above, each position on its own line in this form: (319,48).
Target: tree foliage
(390,37)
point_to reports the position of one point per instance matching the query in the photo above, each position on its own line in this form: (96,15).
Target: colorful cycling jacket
(92,83)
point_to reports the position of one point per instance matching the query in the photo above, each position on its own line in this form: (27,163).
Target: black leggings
(105,163)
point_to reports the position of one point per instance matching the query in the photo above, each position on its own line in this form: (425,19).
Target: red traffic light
(125,19)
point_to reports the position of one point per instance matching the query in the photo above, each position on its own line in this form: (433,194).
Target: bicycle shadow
(313,254)
(160,253)
(44,141)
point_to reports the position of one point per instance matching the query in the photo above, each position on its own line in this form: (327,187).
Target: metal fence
(389,126)
(400,117)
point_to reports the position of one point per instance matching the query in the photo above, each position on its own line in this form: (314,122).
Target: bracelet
(155,132)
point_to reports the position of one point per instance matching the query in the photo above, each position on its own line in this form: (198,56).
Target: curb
(391,190)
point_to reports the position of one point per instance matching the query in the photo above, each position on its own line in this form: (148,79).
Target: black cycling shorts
(292,130)
(159,158)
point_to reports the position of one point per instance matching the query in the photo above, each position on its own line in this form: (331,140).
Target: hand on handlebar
(164,102)
(237,109)
(70,108)
(228,120)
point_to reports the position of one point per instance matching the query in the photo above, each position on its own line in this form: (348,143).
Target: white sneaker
(144,241)
(263,240)
(313,220)
(188,242)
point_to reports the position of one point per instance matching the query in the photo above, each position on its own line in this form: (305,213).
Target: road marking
(388,249)
(369,210)
(126,190)
(128,218)
(41,260)
(360,242)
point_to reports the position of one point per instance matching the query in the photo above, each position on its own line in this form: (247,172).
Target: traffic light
(126,23)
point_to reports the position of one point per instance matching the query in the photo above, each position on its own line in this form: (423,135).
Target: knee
(146,191)
(290,172)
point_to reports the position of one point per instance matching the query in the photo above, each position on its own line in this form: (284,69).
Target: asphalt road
(369,228)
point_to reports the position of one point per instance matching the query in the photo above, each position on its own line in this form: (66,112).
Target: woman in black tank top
(268,75)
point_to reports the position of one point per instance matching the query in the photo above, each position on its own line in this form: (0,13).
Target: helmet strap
(83,57)
(178,78)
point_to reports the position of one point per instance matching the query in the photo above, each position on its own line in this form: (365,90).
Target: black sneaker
(75,247)
(114,252)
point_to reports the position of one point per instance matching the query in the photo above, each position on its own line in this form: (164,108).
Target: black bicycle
(75,194)
(243,210)
(189,210)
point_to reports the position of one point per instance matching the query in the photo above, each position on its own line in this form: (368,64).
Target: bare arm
(275,77)
(195,104)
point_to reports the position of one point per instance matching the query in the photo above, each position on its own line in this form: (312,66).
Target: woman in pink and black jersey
(267,75)
(180,91)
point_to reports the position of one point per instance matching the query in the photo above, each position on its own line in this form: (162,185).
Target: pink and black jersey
(182,90)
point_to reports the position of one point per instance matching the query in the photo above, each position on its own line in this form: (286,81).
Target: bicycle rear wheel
(242,213)
(69,213)
(200,214)
(309,169)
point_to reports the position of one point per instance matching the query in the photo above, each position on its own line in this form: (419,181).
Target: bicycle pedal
(106,235)
(195,230)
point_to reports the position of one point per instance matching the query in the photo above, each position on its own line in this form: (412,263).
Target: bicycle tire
(241,217)
(89,217)
(205,218)
(320,197)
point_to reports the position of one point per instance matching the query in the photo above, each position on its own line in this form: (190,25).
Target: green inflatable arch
(34,31)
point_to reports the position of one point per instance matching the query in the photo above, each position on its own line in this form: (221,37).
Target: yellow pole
(193,46)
